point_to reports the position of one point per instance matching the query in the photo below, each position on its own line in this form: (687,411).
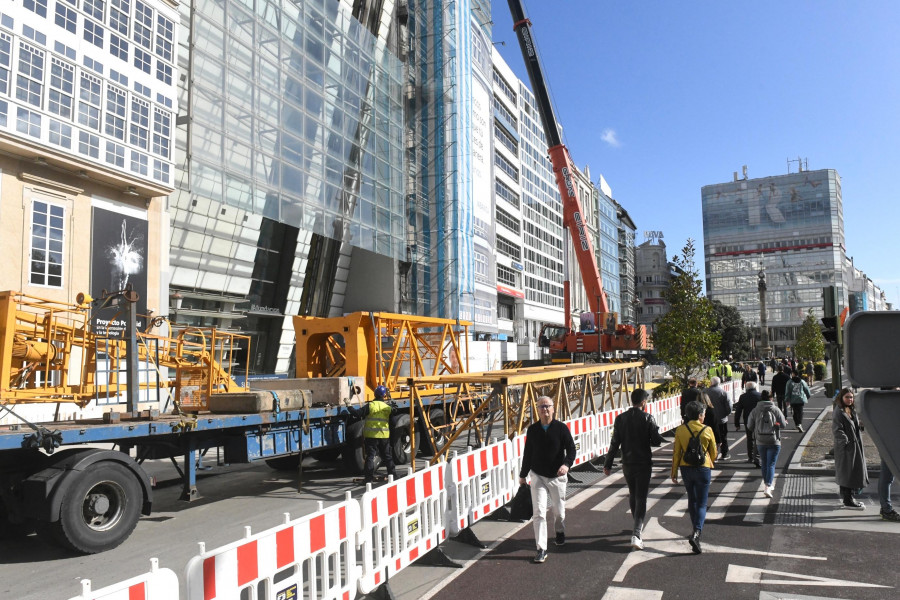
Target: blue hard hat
(381,391)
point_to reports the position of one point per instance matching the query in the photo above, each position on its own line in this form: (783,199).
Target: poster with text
(118,259)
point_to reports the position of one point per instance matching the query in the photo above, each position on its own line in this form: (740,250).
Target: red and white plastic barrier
(158,584)
(583,430)
(479,483)
(603,431)
(401,521)
(310,557)
(518,449)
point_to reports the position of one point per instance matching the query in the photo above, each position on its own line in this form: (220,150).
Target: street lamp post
(764,328)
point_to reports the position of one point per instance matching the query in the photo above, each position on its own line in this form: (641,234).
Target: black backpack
(695,453)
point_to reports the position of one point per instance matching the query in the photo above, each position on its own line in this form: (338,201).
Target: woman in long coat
(850,470)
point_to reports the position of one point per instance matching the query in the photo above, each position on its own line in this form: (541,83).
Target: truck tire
(100,509)
(355,451)
(290,462)
(401,440)
(438,432)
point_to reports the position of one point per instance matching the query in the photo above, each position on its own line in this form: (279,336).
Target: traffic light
(832,331)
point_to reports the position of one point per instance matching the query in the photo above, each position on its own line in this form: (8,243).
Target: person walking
(765,423)
(689,394)
(748,374)
(548,455)
(722,409)
(779,383)
(850,471)
(636,432)
(376,431)
(885,481)
(761,371)
(797,394)
(745,405)
(695,473)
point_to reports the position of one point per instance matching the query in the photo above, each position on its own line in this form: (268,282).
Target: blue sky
(665,97)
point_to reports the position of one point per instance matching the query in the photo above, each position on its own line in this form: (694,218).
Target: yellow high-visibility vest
(378,420)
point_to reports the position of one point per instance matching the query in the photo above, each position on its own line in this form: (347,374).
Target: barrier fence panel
(583,430)
(401,521)
(310,557)
(158,584)
(518,450)
(479,483)
(603,431)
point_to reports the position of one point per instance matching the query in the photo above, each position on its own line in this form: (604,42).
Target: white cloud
(609,136)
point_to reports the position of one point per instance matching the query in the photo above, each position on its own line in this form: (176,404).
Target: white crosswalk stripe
(741,494)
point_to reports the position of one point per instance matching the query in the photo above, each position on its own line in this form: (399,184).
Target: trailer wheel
(355,450)
(438,432)
(401,440)
(285,463)
(99,510)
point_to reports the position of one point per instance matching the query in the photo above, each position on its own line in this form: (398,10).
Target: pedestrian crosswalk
(736,492)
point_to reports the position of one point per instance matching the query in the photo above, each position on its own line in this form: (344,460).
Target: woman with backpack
(797,393)
(765,423)
(695,455)
(850,471)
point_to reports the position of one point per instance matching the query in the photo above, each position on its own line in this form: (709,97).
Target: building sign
(653,236)
(118,259)
(510,292)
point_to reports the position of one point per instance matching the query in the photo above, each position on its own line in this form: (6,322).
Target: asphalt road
(753,547)
(798,545)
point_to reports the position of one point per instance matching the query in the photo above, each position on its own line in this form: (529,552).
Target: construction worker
(376,431)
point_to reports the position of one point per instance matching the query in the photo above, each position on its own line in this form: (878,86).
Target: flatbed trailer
(80,480)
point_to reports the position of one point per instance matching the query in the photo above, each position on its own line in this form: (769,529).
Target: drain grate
(795,507)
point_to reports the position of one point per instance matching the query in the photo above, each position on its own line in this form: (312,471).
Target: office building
(787,228)
(653,274)
(88,102)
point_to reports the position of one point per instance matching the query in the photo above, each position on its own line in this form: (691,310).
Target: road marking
(680,507)
(620,593)
(742,574)
(659,492)
(728,493)
(607,504)
(756,512)
(659,542)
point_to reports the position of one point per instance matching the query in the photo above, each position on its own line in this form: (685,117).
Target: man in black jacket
(779,382)
(635,431)
(745,405)
(548,455)
(689,394)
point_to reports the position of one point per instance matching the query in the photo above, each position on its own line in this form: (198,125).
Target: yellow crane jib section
(384,348)
(486,404)
(49,353)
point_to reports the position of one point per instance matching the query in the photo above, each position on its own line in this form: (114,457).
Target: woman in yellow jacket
(696,477)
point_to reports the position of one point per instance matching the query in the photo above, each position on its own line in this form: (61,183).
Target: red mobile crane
(600,332)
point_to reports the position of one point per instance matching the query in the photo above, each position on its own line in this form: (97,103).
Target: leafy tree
(810,342)
(685,336)
(735,334)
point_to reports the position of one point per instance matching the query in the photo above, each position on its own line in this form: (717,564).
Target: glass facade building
(789,227)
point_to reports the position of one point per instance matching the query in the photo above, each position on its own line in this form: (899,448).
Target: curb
(795,465)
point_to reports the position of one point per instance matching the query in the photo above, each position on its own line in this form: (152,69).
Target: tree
(735,334)
(810,342)
(685,338)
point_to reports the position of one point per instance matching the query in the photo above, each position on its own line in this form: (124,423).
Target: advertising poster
(118,258)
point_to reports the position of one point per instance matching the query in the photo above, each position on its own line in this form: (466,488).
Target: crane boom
(573,213)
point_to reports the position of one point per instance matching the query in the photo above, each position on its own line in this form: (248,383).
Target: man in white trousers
(549,454)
